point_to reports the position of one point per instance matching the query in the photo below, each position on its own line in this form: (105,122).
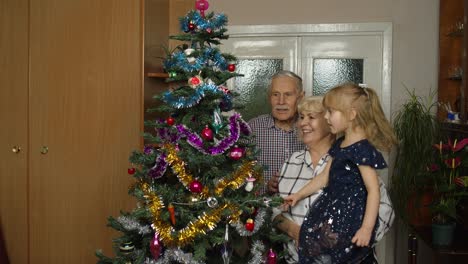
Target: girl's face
(312,127)
(337,120)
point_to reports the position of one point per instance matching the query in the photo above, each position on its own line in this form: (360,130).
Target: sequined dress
(337,215)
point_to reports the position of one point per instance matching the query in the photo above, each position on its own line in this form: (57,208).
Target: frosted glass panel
(252,87)
(332,72)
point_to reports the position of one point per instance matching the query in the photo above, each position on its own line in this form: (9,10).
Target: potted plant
(416,128)
(449,188)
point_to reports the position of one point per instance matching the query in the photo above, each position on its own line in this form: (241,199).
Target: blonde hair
(369,113)
(311,104)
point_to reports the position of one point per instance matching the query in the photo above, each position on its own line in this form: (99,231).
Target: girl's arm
(317,183)
(371,180)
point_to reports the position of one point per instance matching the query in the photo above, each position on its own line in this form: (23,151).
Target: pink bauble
(202,5)
(196,186)
(207,133)
(271,258)
(156,246)
(236,153)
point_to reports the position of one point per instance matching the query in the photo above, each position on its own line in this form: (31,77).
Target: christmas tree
(197,181)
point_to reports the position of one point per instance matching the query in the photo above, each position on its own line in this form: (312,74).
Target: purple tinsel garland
(236,125)
(158,170)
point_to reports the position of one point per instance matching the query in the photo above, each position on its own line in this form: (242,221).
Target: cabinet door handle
(16,149)
(44,150)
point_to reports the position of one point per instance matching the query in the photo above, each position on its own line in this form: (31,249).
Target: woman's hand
(291,200)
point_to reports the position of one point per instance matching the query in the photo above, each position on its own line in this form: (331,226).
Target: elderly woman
(302,166)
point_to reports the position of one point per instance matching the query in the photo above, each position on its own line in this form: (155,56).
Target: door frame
(382,29)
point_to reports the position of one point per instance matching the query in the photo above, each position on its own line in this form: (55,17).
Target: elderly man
(275,133)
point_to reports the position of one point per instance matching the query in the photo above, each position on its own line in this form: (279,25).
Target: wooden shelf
(157,75)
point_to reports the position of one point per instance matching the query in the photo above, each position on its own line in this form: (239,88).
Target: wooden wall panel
(86,100)
(14,132)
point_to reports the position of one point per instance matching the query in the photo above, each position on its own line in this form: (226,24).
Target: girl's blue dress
(337,215)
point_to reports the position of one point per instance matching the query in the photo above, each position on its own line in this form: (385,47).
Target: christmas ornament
(249,225)
(156,246)
(212,202)
(171,210)
(191,59)
(194,81)
(236,153)
(231,67)
(188,52)
(126,248)
(131,171)
(217,120)
(196,186)
(170,121)
(226,254)
(191,26)
(249,186)
(209,30)
(172,74)
(271,257)
(202,6)
(207,133)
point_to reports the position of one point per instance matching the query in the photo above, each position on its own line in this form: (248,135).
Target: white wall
(415,44)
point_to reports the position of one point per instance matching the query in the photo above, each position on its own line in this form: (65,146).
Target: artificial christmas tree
(197,181)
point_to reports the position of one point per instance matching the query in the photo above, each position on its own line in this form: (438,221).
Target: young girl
(341,223)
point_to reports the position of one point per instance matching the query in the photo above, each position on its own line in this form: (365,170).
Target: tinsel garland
(237,179)
(189,101)
(210,21)
(259,221)
(257,252)
(236,125)
(179,61)
(171,255)
(158,170)
(130,224)
(206,221)
(247,169)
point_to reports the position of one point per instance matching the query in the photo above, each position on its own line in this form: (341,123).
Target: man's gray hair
(290,74)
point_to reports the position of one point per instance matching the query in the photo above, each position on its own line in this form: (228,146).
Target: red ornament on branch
(131,171)
(271,258)
(236,153)
(207,133)
(249,225)
(170,121)
(196,186)
(231,67)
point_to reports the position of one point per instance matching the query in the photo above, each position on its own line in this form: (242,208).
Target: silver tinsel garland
(173,255)
(130,224)
(259,220)
(257,252)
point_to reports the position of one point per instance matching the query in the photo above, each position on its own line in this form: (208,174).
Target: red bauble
(231,67)
(195,81)
(196,186)
(191,26)
(156,247)
(236,153)
(249,225)
(131,171)
(170,121)
(207,133)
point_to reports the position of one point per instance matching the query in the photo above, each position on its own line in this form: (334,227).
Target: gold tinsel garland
(207,220)
(204,223)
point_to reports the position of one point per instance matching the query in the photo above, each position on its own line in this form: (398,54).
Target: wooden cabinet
(453,60)
(71,107)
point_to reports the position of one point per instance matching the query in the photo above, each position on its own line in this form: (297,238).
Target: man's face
(284,98)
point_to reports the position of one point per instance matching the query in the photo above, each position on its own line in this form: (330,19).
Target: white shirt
(296,172)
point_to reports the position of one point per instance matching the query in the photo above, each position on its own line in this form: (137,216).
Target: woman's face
(312,127)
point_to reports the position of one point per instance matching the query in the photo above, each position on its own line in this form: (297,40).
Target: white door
(324,55)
